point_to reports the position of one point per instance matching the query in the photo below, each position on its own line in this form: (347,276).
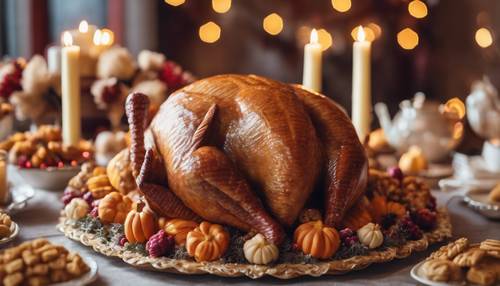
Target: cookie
(482,275)
(451,250)
(441,270)
(470,257)
(492,247)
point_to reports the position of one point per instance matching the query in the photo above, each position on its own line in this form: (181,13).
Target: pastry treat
(492,247)
(38,262)
(213,154)
(494,195)
(470,257)
(441,270)
(413,161)
(451,250)
(483,274)
(5,224)
(5,109)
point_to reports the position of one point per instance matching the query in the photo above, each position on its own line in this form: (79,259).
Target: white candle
(54,59)
(311,77)
(361,85)
(4,187)
(70,87)
(83,36)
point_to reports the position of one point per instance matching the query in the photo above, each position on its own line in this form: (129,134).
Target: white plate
(87,278)
(479,201)
(47,179)
(416,273)
(14,231)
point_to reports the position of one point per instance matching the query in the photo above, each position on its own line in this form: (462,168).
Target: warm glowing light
(314,37)
(417,9)
(377,31)
(97,37)
(407,39)
(83,27)
(107,37)
(361,34)
(175,3)
(67,39)
(341,5)
(325,39)
(368,33)
(484,38)
(210,32)
(221,6)
(273,24)
(454,108)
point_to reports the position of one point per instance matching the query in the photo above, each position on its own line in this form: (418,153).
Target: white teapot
(426,124)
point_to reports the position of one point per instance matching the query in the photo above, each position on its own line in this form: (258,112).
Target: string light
(209,32)
(484,38)
(369,34)
(273,24)
(175,3)
(221,6)
(341,5)
(407,39)
(417,9)
(325,39)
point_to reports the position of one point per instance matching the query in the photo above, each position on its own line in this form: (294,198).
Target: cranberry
(160,244)
(424,218)
(94,212)
(123,240)
(396,173)
(88,198)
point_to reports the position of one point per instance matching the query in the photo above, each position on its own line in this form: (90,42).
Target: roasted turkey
(246,151)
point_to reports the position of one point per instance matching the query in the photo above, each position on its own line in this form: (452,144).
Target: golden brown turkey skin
(260,126)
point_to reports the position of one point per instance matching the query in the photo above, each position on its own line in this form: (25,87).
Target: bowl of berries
(42,160)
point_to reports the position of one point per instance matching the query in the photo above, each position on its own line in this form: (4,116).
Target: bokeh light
(221,6)
(210,32)
(175,2)
(325,39)
(341,5)
(407,39)
(377,30)
(369,34)
(417,9)
(484,38)
(273,24)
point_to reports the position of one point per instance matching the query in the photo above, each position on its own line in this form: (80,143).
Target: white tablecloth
(41,216)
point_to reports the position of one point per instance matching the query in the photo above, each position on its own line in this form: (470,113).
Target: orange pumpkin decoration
(140,223)
(179,228)
(316,239)
(380,207)
(207,242)
(114,207)
(356,218)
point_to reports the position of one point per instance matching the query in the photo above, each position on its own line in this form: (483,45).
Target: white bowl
(48,179)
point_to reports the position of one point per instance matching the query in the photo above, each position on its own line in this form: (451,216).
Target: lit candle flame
(361,34)
(97,37)
(314,37)
(67,39)
(83,27)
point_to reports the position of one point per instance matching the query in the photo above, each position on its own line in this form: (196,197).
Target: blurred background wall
(443,64)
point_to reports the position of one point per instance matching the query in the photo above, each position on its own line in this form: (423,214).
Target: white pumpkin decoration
(258,251)
(370,235)
(76,209)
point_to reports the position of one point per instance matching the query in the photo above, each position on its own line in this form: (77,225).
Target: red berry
(424,218)
(88,198)
(345,233)
(95,203)
(60,164)
(43,166)
(396,173)
(160,244)
(123,240)
(94,212)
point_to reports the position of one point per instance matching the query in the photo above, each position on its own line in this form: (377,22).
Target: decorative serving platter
(281,271)
(478,200)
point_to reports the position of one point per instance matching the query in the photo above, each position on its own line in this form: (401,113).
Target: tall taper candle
(70,77)
(311,77)
(361,85)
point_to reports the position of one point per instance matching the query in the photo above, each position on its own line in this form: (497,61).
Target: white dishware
(51,178)
(479,201)
(19,195)
(417,274)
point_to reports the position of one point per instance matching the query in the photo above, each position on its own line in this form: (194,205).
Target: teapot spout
(383,117)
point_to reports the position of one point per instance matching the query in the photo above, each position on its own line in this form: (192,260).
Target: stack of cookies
(5,225)
(39,262)
(459,260)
